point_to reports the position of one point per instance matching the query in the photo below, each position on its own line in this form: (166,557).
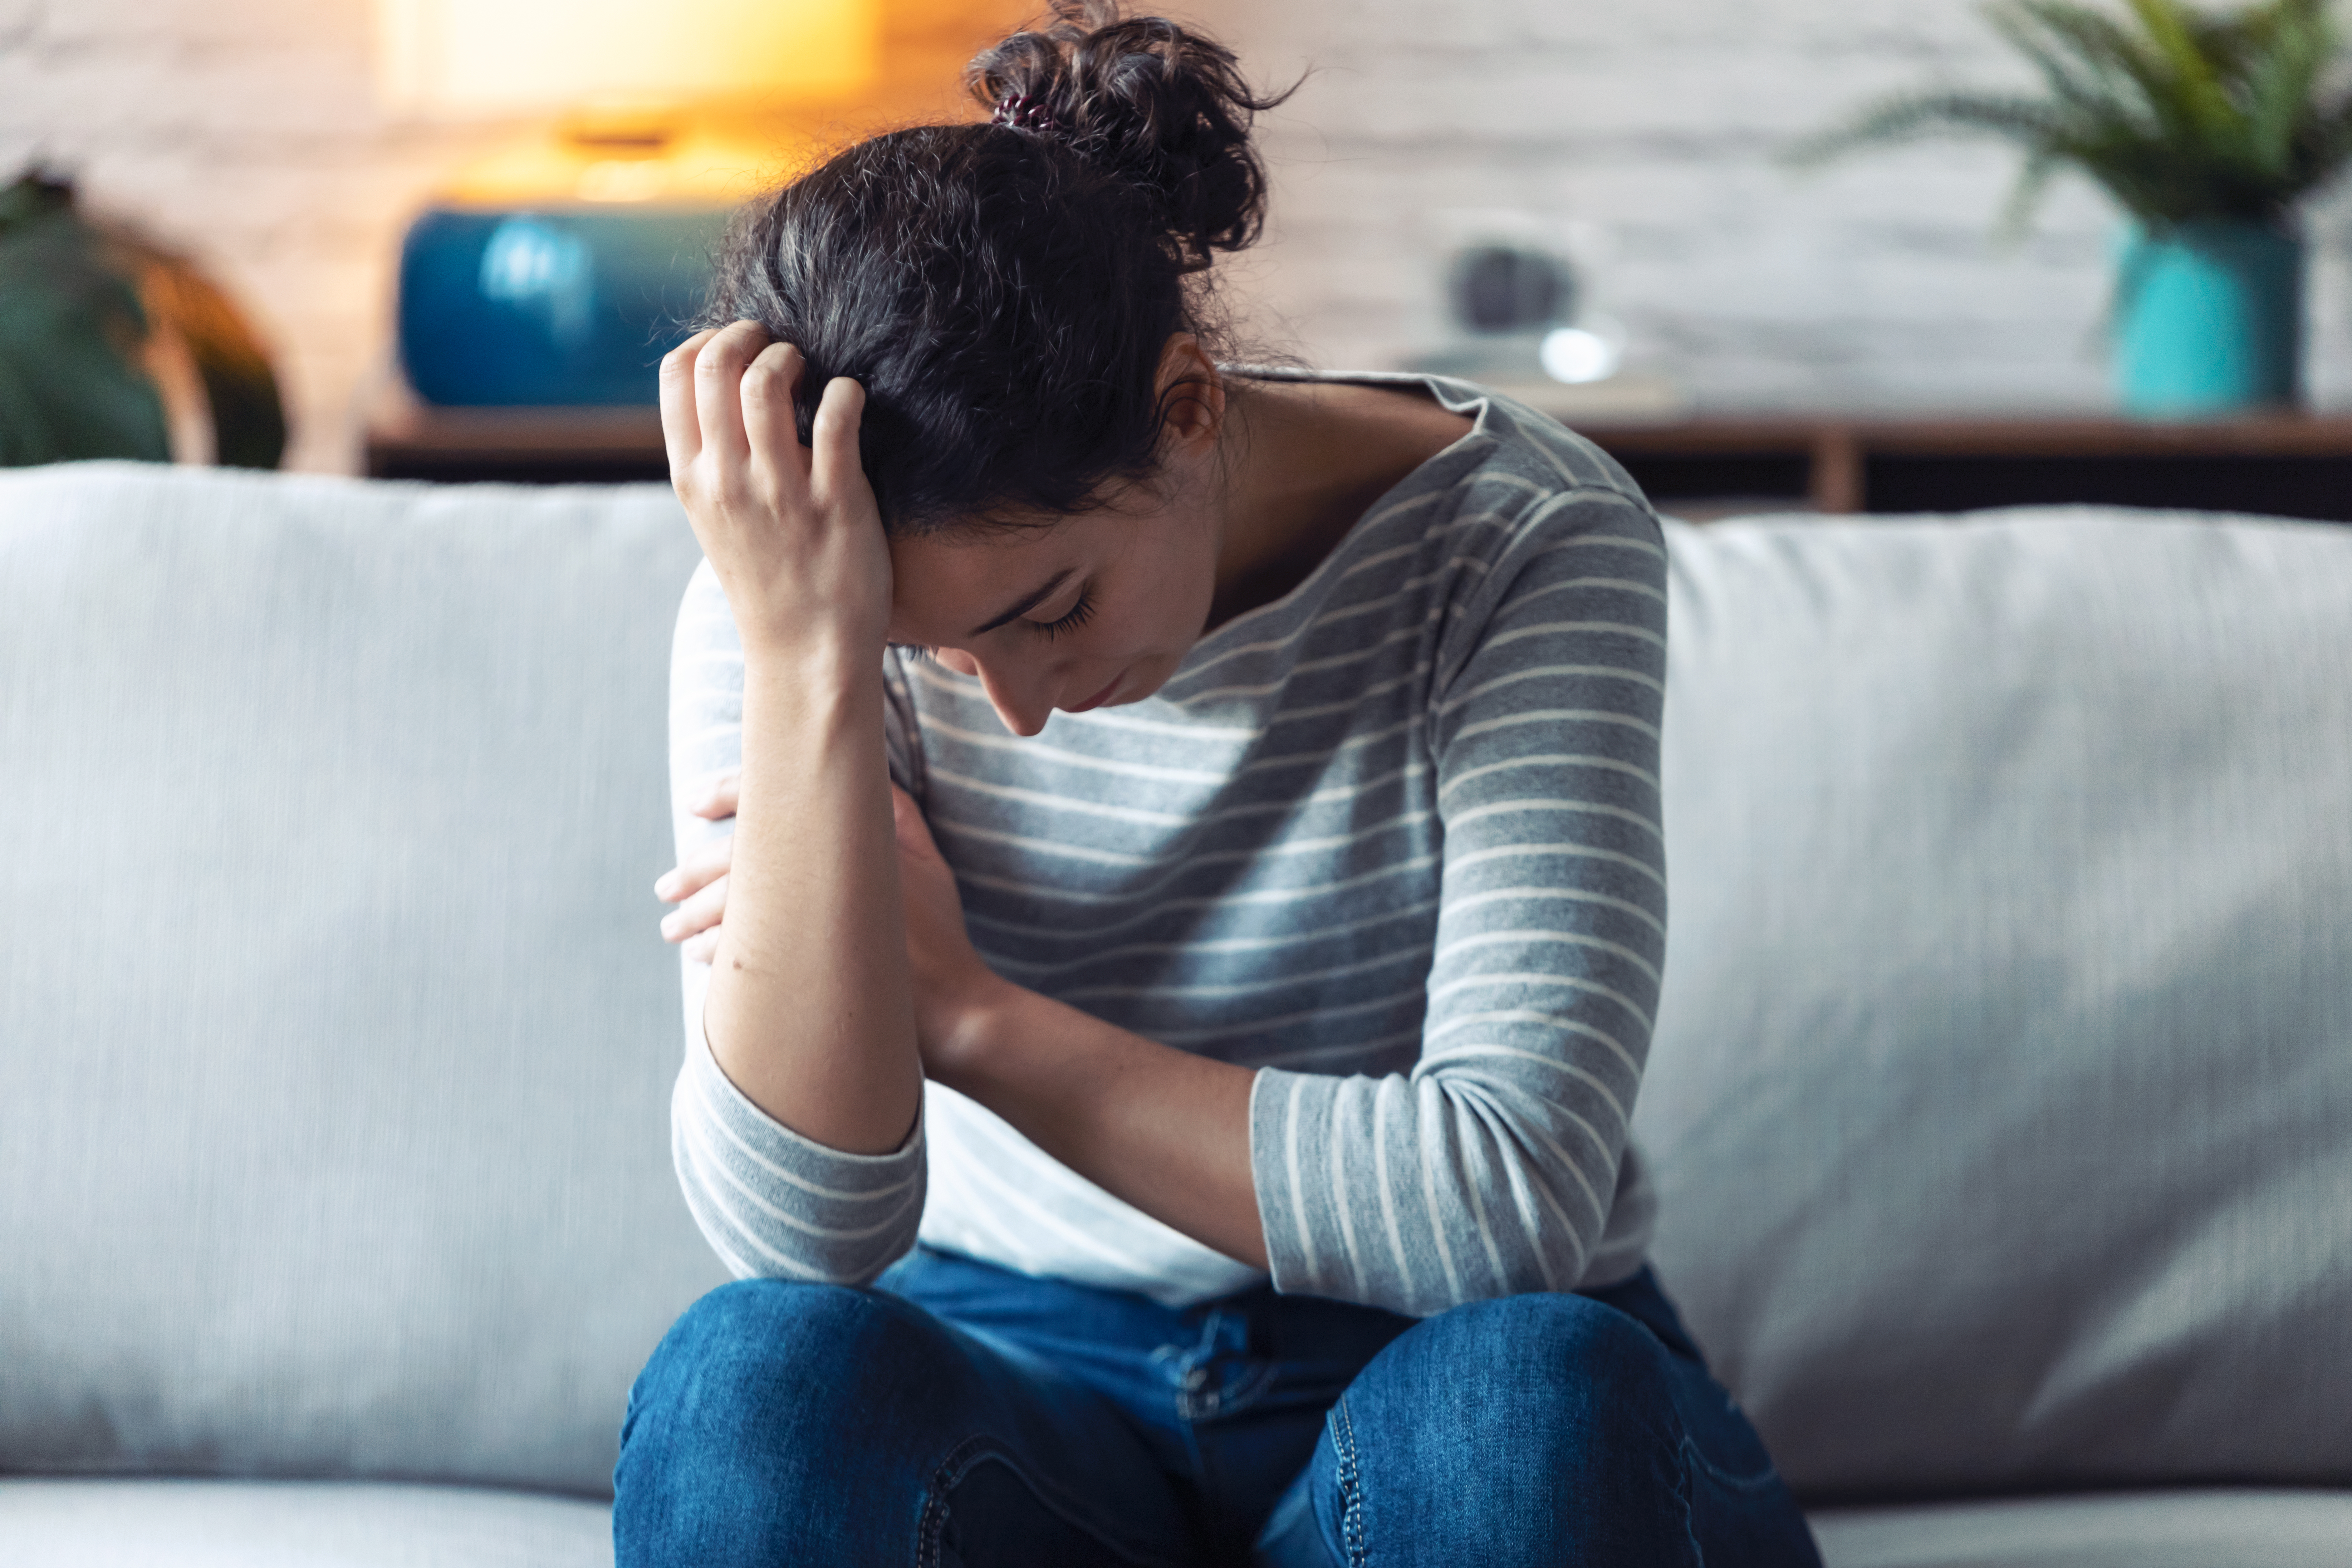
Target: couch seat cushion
(2218,1529)
(49,1523)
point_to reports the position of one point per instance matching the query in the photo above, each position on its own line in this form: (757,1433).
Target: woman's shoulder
(1522,510)
(1515,463)
(1529,446)
(1521,483)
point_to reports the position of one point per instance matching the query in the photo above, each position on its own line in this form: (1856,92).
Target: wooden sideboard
(2283,465)
(410,440)
(2286,465)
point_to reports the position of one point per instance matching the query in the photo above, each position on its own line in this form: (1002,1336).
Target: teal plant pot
(2209,320)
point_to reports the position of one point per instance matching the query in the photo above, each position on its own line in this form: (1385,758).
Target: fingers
(681,427)
(696,869)
(834,471)
(700,879)
(718,369)
(720,796)
(770,427)
(698,914)
(907,818)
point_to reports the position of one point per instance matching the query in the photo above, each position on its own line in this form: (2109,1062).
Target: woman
(1193,907)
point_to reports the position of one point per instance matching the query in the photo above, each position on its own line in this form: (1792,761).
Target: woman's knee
(764,1402)
(762,1318)
(761,1353)
(1534,1428)
(1536,1362)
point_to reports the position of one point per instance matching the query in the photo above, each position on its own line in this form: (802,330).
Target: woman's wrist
(964,1039)
(820,649)
(813,695)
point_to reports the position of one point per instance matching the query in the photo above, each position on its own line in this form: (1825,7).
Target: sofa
(2001,1099)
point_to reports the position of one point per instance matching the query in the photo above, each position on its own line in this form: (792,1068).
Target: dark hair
(1003,289)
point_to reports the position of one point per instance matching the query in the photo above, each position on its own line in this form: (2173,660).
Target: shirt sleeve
(770,1202)
(1489,1168)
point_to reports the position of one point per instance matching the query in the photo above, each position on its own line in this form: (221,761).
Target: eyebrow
(1028,603)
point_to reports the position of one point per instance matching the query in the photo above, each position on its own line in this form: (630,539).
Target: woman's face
(1099,608)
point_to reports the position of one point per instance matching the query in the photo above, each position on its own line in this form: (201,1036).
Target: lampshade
(465,58)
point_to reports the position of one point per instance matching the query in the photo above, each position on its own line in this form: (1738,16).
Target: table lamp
(559,269)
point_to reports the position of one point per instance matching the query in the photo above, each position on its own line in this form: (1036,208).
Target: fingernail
(666,887)
(669,927)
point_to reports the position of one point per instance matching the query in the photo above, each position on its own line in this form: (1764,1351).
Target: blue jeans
(960,1414)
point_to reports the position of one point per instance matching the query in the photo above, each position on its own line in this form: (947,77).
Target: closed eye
(1080,614)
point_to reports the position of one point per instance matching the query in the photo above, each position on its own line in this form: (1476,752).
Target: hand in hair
(809,1010)
(790,529)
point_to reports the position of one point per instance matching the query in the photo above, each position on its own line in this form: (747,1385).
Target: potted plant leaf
(112,345)
(2209,130)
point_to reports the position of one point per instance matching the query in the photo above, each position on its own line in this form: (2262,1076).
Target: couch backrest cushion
(335,1036)
(2001,1096)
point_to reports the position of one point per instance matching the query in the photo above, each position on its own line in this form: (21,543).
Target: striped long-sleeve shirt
(1392,839)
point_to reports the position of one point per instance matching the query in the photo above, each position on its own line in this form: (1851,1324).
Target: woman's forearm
(1156,1127)
(809,1011)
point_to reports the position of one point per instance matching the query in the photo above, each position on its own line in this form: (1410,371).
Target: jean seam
(960,1462)
(1687,1494)
(1243,1394)
(629,1414)
(1761,1480)
(1351,1482)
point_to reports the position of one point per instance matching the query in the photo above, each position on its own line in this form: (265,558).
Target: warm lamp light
(467,57)
(555,271)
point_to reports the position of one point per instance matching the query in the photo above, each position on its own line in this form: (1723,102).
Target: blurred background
(261,138)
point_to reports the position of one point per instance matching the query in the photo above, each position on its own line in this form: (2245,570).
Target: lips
(1100,698)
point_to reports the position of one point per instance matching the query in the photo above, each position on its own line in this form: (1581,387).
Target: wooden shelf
(2291,465)
(411,441)
(2286,465)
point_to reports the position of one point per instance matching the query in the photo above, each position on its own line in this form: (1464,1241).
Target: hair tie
(1025,112)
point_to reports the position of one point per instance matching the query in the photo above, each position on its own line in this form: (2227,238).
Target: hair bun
(1164,110)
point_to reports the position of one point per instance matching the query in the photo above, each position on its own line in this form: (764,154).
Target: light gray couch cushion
(2001,1096)
(338,1038)
(2159,1530)
(293,1524)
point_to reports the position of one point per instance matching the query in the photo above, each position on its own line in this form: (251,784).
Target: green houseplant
(2209,130)
(109,342)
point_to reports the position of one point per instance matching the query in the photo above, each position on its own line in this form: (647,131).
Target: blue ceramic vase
(2208,318)
(560,306)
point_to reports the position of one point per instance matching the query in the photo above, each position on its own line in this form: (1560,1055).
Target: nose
(1023,712)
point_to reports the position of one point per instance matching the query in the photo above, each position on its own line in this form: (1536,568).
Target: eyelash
(1080,614)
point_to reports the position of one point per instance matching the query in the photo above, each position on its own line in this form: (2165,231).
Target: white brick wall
(247,130)
(1876,283)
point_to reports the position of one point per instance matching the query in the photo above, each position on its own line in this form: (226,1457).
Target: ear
(1192,395)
